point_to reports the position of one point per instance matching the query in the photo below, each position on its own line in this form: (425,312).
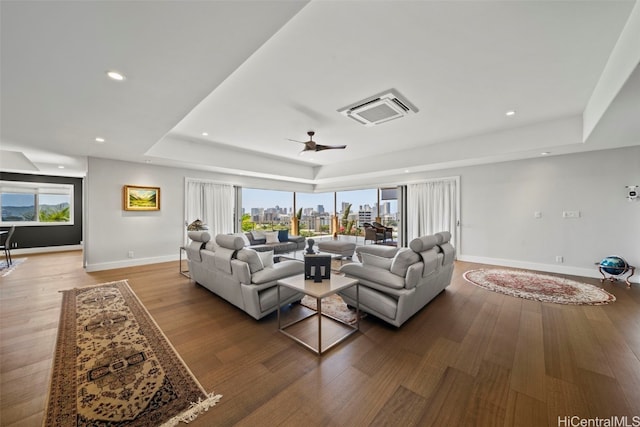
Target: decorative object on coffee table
(113,365)
(310,242)
(539,287)
(615,267)
(317,267)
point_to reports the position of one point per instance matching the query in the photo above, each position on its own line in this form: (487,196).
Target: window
(315,211)
(266,209)
(36,203)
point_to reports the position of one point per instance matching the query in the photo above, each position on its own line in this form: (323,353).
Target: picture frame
(140,198)
(317,267)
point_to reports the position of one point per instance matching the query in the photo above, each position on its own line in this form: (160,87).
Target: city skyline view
(267,199)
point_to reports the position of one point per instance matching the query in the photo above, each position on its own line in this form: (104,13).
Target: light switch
(571,214)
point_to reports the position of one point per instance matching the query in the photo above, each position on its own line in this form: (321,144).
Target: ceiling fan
(311,145)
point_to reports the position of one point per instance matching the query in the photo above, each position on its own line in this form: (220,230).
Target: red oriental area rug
(113,366)
(539,287)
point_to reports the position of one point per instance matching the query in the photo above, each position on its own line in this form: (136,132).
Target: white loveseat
(242,276)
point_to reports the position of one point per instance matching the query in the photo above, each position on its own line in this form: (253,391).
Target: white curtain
(432,207)
(211,203)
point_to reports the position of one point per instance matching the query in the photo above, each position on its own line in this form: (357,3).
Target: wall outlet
(130,254)
(571,214)
(559,259)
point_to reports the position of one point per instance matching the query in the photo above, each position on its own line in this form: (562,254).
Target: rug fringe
(194,410)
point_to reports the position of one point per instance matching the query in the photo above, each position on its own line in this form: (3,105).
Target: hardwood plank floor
(471,357)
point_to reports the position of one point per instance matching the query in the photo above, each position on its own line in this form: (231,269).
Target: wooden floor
(471,357)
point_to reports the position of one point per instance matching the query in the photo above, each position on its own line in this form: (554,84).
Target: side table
(319,290)
(184,272)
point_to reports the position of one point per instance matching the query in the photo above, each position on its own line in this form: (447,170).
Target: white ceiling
(255,74)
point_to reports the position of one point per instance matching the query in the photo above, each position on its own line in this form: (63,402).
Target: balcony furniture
(386,231)
(339,247)
(244,277)
(395,283)
(6,246)
(319,290)
(372,233)
(284,242)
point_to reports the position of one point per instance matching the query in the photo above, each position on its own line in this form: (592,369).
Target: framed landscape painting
(136,198)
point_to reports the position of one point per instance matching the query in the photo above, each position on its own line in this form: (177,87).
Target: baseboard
(548,268)
(46,249)
(130,263)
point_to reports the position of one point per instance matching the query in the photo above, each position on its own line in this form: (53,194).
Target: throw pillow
(252,258)
(266,258)
(257,235)
(272,237)
(283,235)
(403,259)
(376,261)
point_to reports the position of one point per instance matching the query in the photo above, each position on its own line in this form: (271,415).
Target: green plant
(54,215)
(247,224)
(347,224)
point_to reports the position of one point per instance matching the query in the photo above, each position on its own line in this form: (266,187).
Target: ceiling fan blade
(320,147)
(295,140)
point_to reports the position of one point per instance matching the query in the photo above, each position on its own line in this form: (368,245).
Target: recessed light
(60,167)
(406,171)
(205,134)
(98,139)
(510,113)
(545,153)
(147,161)
(114,75)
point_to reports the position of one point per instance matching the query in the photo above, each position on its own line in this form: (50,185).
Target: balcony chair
(372,233)
(387,232)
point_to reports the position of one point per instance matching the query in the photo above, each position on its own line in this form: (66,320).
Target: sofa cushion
(279,270)
(403,259)
(283,235)
(257,237)
(373,274)
(229,241)
(423,243)
(199,236)
(376,261)
(252,258)
(244,238)
(272,237)
(211,245)
(266,258)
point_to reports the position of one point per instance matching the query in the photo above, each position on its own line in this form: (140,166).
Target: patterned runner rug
(539,287)
(113,366)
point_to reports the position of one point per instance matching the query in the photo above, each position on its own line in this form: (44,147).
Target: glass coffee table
(320,290)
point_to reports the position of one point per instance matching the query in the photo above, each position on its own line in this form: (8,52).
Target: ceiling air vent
(381,108)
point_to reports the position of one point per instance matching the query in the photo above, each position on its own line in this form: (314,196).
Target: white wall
(499,201)
(497,213)
(153,236)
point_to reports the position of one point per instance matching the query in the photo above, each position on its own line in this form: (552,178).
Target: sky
(252,198)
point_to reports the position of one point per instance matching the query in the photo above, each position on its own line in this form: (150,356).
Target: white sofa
(244,277)
(395,283)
